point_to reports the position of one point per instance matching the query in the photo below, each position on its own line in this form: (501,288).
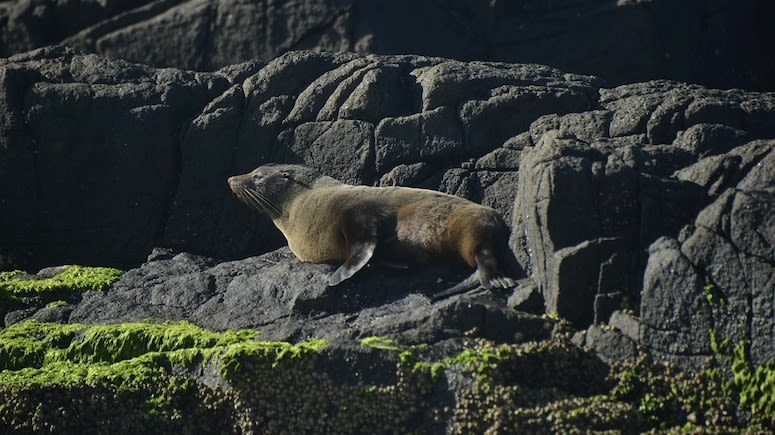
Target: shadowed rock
(718,44)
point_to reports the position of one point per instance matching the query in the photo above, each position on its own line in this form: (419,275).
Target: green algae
(265,355)
(25,345)
(478,359)
(6,276)
(16,284)
(57,304)
(271,387)
(70,278)
(141,371)
(119,342)
(46,353)
(383,343)
(407,354)
(7,297)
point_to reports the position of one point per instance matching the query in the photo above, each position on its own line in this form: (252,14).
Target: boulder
(290,301)
(728,274)
(90,154)
(717,44)
(583,215)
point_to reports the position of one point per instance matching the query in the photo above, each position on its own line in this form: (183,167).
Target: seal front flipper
(360,254)
(360,228)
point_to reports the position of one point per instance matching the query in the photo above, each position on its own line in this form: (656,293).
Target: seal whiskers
(269,206)
(258,201)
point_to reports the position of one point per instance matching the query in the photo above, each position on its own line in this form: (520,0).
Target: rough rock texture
(89,151)
(625,203)
(719,43)
(290,301)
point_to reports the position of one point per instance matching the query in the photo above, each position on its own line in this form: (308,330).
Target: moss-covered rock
(69,277)
(27,293)
(126,378)
(176,377)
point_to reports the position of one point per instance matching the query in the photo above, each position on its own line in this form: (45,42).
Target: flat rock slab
(290,300)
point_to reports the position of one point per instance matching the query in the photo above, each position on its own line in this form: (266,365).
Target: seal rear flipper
(487,270)
(469,283)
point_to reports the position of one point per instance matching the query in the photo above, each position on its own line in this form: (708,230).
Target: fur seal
(327,221)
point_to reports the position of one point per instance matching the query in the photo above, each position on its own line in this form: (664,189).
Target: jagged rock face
(632,198)
(720,43)
(361,119)
(90,148)
(719,274)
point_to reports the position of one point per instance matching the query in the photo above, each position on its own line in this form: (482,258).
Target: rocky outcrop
(290,301)
(720,43)
(641,218)
(609,193)
(604,222)
(719,273)
(90,153)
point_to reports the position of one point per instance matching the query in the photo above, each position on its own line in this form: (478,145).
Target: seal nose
(232,182)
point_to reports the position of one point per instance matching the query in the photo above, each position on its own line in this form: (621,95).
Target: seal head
(269,188)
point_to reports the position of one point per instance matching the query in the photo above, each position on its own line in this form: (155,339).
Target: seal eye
(257,177)
(286,175)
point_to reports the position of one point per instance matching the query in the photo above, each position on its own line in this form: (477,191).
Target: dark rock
(310,143)
(429,136)
(720,44)
(610,344)
(589,178)
(584,213)
(346,362)
(290,300)
(118,203)
(720,172)
(55,314)
(718,278)
(673,296)
(527,297)
(407,175)
(587,126)
(448,83)
(627,324)
(501,116)
(710,139)
(17,316)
